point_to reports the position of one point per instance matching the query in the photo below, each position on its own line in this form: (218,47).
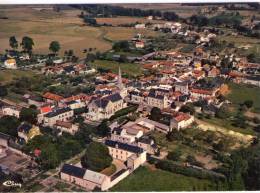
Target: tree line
(27,45)
(96,10)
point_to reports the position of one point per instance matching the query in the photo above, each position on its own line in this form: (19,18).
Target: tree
(121,46)
(122,58)
(188,108)
(155,114)
(97,157)
(84,134)
(240,120)
(174,155)
(54,47)
(223,112)
(174,135)
(9,125)
(27,44)
(13,42)
(103,130)
(248,103)
(3,91)
(49,157)
(29,115)
(69,148)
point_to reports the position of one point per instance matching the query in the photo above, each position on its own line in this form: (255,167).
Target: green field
(145,179)
(130,69)
(6,76)
(241,92)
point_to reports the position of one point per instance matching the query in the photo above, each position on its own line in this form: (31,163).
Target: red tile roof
(45,109)
(235,74)
(82,97)
(202,91)
(182,117)
(37,152)
(52,96)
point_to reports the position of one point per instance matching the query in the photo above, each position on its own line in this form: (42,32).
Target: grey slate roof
(73,170)
(25,127)
(153,95)
(126,147)
(104,101)
(57,112)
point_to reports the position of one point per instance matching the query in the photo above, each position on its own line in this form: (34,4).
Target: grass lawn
(61,186)
(130,69)
(35,187)
(145,179)
(186,150)
(241,92)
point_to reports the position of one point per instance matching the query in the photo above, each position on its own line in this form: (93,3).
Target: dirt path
(252,115)
(241,137)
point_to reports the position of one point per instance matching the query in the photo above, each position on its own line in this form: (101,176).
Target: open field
(65,26)
(7,76)
(126,20)
(146,179)
(47,26)
(243,41)
(125,33)
(249,93)
(131,69)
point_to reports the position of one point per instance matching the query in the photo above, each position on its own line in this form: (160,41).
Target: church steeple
(119,79)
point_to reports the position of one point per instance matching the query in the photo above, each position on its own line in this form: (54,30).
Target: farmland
(125,20)
(46,25)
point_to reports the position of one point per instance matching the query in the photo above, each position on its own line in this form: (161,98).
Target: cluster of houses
(170,82)
(68,69)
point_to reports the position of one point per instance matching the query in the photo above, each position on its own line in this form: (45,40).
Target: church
(104,107)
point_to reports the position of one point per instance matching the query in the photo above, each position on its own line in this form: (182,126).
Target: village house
(10,64)
(27,132)
(136,97)
(140,26)
(61,114)
(182,87)
(126,135)
(148,144)
(123,151)
(66,127)
(146,125)
(204,89)
(134,156)
(51,97)
(157,100)
(181,120)
(85,178)
(11,111)
(253,80)
(214,72)
(75,104)
(43,111)
(201,93)
(139,44)
(105,107)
